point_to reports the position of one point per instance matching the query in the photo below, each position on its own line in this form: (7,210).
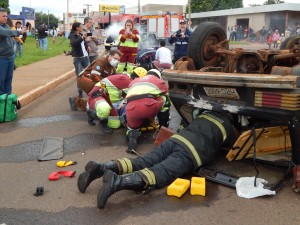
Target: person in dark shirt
(7,54)
(42,36)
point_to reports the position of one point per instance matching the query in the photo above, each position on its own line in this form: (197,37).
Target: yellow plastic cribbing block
(198,186)
(178,187)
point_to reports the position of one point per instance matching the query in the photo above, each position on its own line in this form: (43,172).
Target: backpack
(9,104)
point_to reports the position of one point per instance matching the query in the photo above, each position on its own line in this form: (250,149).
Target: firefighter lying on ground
(104,99)
(178,156)
(146,98)
(96,71)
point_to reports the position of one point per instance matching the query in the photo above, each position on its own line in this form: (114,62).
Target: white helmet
(154,72)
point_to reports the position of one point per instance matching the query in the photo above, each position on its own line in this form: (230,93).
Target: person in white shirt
(163,57)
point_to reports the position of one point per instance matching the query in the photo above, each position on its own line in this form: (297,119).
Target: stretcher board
(268,140)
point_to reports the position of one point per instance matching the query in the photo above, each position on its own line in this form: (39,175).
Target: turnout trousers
(139,111)
(162,165)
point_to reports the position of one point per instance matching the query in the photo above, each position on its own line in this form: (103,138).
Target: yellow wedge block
(198,186)
(178,187)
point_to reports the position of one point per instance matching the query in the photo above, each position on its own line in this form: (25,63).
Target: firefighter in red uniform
(96,71)
(146,98)
(105,97)
(180,155)
(129,39)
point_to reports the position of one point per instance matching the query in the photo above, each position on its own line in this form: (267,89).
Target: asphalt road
(62,203)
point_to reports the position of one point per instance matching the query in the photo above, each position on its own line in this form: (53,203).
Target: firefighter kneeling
(146,98)
(180,155)
(104,99)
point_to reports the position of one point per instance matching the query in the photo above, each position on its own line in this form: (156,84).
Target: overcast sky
(57,7)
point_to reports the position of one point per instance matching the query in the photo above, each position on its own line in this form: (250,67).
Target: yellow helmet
(154,72)
(138,72)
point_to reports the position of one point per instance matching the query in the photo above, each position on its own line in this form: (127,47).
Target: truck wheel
(290,42)
(202,42)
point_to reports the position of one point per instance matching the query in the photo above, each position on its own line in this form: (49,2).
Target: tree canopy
(4,4)
(213,5)
(41,18)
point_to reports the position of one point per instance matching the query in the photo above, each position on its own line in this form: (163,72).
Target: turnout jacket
(205,135)
(116,86)
(129,43)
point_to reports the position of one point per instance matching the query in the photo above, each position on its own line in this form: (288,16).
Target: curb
(37,92)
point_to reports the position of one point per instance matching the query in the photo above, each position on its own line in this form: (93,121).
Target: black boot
(104,127)
(133,136)
(91,116)
(72,103)
(94,170)
(113,183)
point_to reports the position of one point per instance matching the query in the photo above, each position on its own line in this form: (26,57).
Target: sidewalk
(36,79)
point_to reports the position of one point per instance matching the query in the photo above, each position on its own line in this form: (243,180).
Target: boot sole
(104,192)
(87,177)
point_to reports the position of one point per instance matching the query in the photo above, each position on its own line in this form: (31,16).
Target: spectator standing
(163,57)
(79,50)
(287,32)
(275,38)
(181,40)
(42,36)
(269,39)
(240,31)
(91,40)
(18,46)
(262,34)
(53,33)
(129,40)
(7,54)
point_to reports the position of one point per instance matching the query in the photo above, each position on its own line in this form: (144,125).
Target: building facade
(276,16)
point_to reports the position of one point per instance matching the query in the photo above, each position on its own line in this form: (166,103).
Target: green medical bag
(9,105)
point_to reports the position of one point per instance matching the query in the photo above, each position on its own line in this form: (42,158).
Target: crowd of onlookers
(273,37)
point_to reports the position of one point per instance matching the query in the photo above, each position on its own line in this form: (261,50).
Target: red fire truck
(158,25)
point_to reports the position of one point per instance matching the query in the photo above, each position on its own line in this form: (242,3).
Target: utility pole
(189,5)
(67,19)
(88,9)
(48,19)
(139,7)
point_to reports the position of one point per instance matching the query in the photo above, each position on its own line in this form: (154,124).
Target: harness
(137,97)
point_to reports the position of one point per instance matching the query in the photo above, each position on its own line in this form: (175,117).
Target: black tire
(290,42)
(201,44)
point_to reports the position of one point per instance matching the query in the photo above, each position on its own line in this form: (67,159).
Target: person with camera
(91,40)
(79,50)
(181,40)
(7,54)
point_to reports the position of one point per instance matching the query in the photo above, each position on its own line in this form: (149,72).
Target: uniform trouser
(86,84)
(80,103)
(167,162)
(141,110)
(129,58)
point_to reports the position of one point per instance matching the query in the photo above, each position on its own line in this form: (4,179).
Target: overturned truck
(260,89)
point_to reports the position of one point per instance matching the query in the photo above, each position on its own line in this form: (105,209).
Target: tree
(4,4)
(213,5)
(41,18)
(271,2)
